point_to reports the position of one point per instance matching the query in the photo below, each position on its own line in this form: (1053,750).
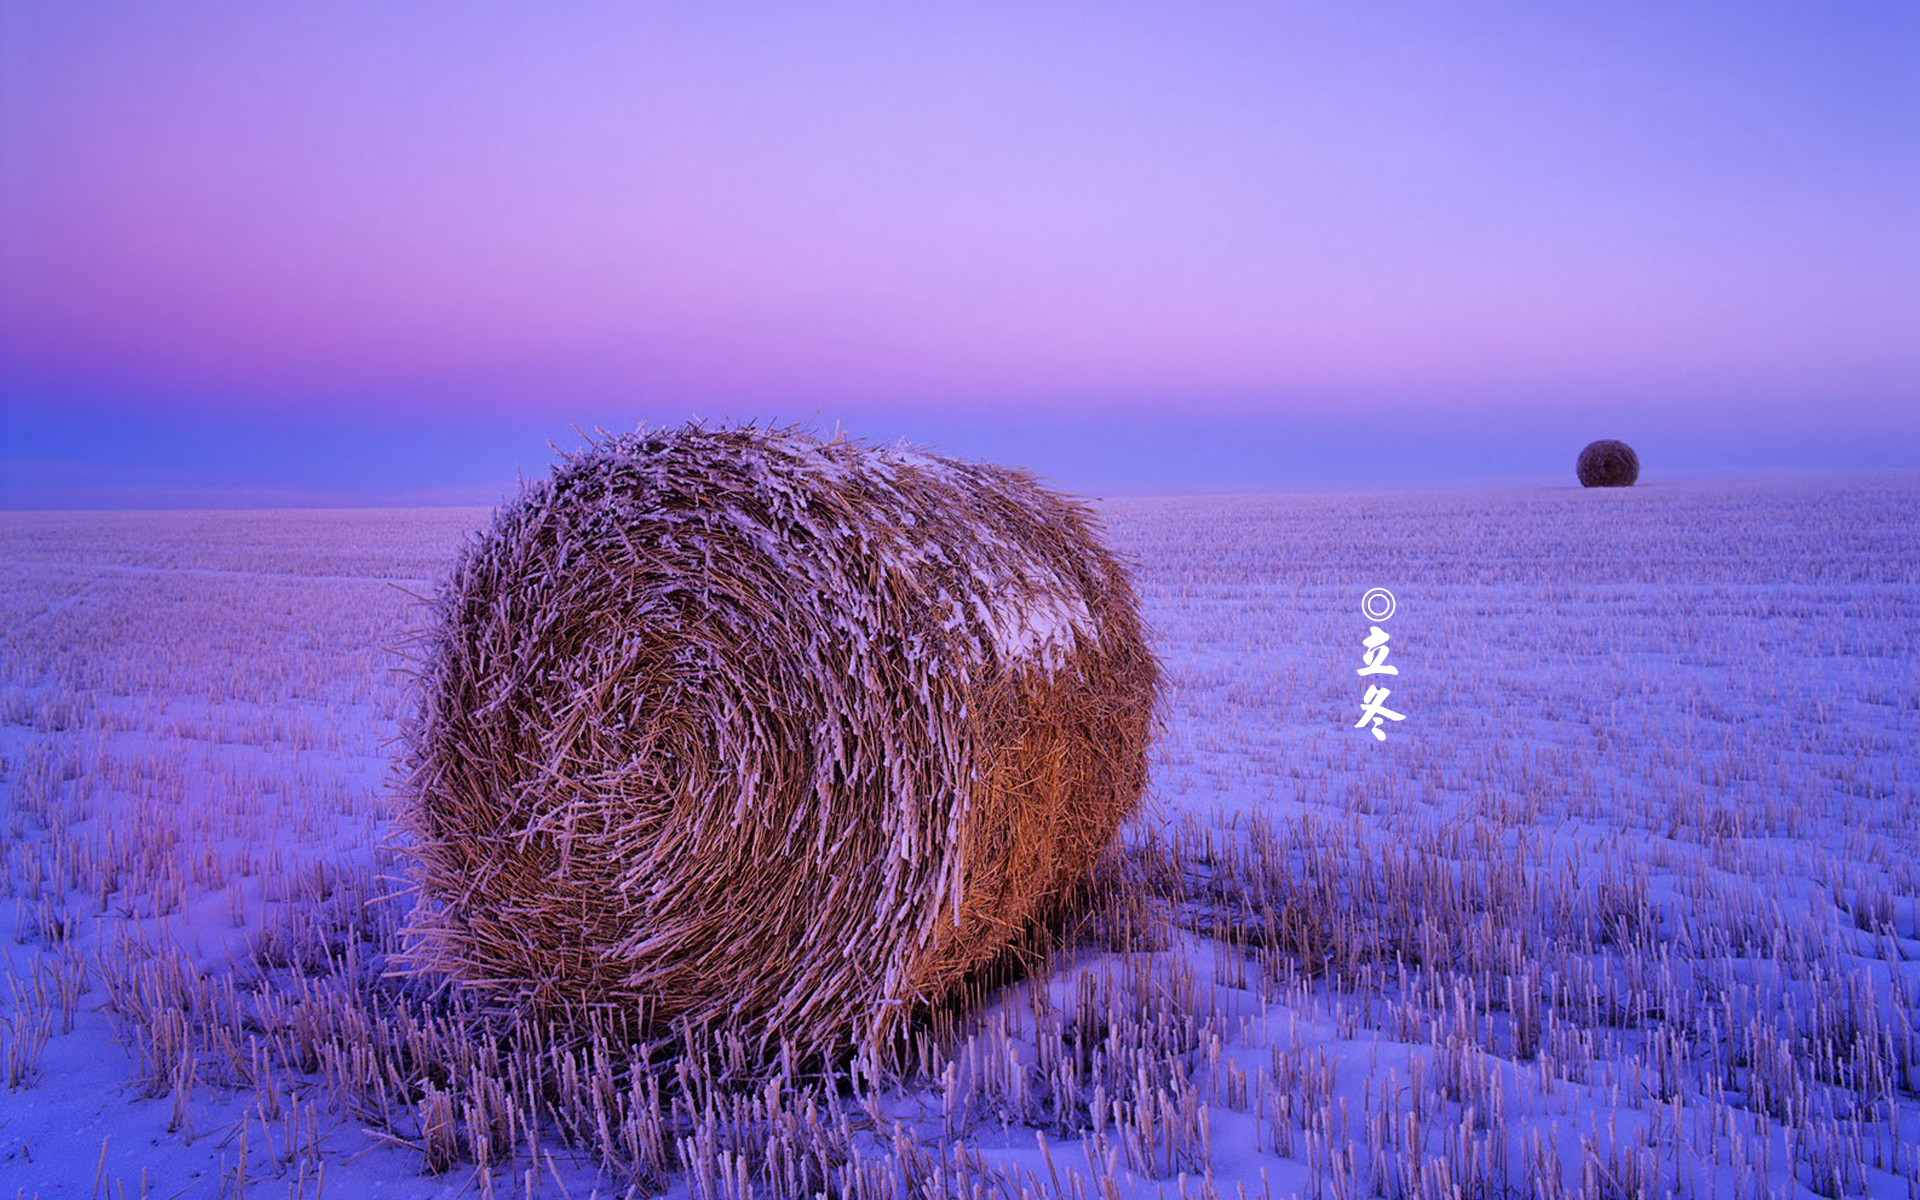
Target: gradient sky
(280,253)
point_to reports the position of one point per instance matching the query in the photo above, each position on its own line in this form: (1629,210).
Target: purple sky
(365,253)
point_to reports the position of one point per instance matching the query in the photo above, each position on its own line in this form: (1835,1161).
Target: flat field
(1628,904)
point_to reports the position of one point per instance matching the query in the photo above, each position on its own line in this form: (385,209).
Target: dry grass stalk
(734,727)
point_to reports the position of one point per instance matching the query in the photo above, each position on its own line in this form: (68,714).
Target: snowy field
(1627,905)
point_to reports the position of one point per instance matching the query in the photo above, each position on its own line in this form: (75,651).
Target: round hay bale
(1607,463)
(734,727)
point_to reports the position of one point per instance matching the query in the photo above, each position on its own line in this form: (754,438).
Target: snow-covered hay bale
(1607,463)
(734,727)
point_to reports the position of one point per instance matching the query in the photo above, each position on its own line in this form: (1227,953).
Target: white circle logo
(1377,604)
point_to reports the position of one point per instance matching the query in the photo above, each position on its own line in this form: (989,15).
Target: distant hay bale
(1608,463)
(734,727)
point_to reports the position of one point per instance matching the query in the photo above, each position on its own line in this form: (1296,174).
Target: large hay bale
(736,727)
(1607,463)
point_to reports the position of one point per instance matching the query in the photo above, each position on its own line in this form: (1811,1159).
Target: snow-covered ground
(1628,904)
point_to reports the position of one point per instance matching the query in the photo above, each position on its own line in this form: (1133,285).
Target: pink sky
(1223,210)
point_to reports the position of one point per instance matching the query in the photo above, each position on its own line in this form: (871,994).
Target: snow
(1039,629)
(1643,852)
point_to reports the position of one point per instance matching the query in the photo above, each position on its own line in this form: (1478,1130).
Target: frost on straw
(738,726)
